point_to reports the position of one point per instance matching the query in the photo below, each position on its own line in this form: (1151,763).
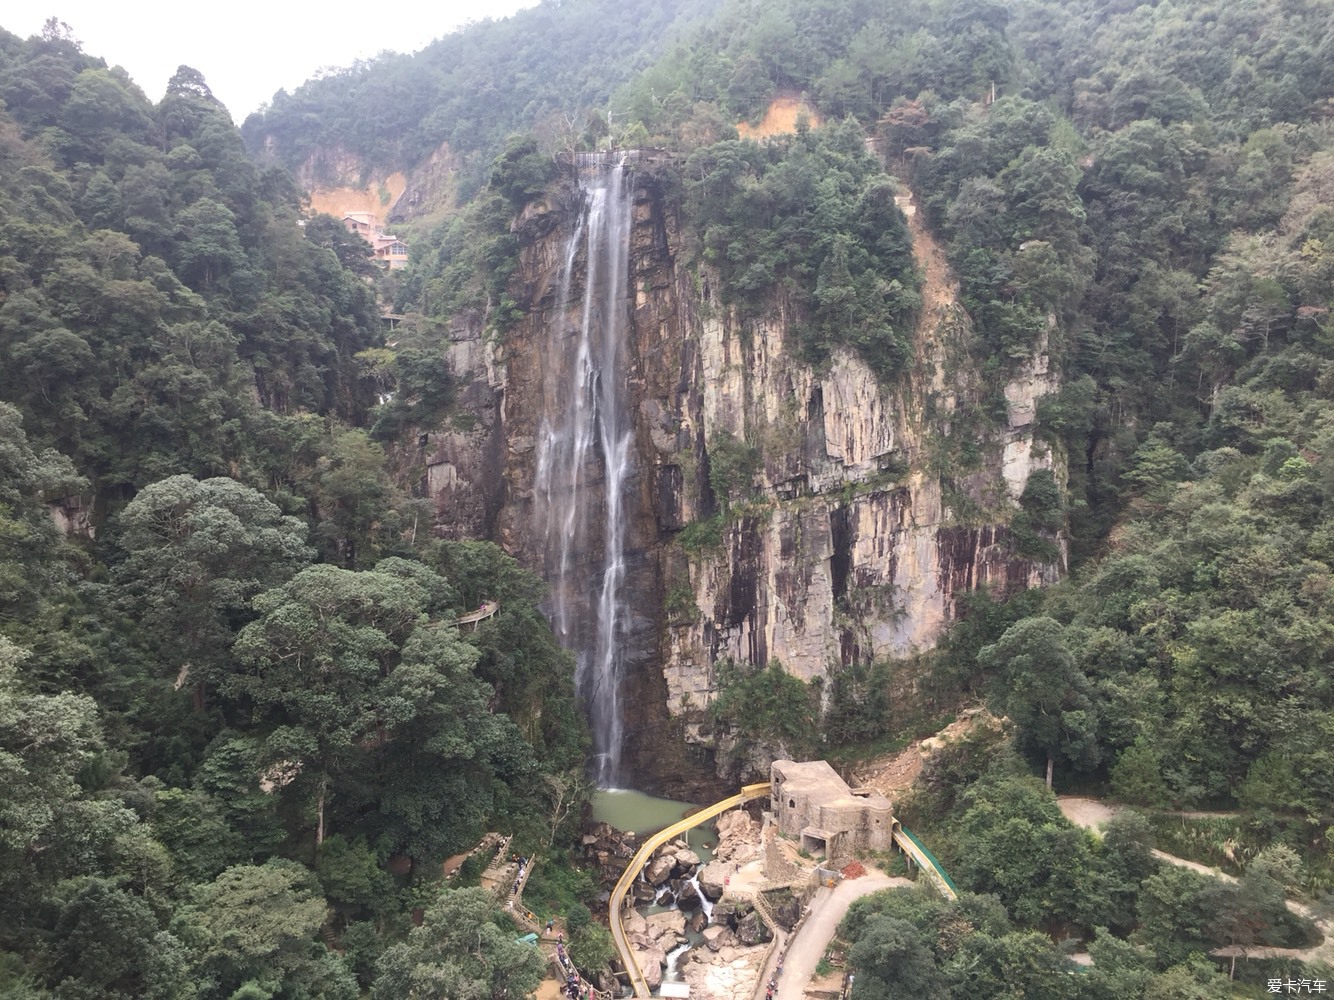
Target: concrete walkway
(827,909)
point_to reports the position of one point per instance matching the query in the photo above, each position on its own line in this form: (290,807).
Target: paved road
(827,909)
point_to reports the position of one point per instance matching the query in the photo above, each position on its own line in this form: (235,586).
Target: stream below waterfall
(645,814)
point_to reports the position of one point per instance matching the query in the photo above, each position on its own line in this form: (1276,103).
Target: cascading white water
(588,435)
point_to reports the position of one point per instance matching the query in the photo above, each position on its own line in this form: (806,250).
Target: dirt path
(827,910)
(939,289)
(1092,814)
(893,774)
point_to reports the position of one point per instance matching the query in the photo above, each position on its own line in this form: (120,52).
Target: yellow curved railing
(642,857)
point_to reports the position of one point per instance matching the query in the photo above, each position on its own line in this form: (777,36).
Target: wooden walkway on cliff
(480,615)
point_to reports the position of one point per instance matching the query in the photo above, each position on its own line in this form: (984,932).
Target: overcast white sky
(248,49)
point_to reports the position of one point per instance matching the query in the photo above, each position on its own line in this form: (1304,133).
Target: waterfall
(705,903)
(584,443)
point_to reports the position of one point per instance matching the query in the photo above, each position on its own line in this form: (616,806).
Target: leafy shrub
(592,948)
(767,704)
(732,467)
(577,917)
(699,536)
(556,885)
(680,605)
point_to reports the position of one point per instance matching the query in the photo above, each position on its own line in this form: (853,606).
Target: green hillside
(239,730)
(475,86)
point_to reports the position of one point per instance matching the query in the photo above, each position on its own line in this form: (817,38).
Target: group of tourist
(518,879)
(773,980)
(575,988)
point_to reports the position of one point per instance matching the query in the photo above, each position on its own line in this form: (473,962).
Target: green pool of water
(644,814)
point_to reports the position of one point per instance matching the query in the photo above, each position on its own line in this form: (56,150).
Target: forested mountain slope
(1147,201)
(232,696)
(238,730)
(546,65)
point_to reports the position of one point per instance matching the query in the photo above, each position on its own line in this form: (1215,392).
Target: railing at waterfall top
(644,155)
(632,871)
(915,849)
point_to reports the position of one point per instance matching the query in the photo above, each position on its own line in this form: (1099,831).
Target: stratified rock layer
(875,506)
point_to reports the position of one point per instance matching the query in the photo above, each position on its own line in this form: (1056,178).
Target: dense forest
(236,721)
(542,69)
(238,729)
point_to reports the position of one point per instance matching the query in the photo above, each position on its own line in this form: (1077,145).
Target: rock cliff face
(339,182)
(872,510)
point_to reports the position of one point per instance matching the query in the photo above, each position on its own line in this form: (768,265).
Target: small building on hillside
(814,805)
(389,251)
(364,224)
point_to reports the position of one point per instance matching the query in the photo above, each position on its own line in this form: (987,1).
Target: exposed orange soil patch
(340,200)
(779,119)
(939,289)
(893,774)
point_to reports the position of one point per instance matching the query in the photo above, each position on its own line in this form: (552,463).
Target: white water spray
(590,440)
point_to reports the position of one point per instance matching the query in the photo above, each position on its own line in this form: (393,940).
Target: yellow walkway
(910,846)
(642,857)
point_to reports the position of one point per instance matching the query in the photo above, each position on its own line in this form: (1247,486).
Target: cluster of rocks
(727,951)
(735,929)
(668,877)
(652,938)
(727,961)
(610,849)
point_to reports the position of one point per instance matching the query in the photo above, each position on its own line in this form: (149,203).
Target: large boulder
(698,921)
(635,925)
(737,833)
(716,937)
(750,930)
(651,962)
(686,862)
(725,911)
(688,897)
(659,870)
(713,879)
(667,928)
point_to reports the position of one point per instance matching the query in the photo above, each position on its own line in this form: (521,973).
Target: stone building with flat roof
(813,805)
